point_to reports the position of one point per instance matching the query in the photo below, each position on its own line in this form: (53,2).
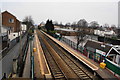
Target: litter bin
(34,49)
(102,65)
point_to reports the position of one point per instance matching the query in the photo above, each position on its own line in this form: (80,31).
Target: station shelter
(96,50)
(101,52)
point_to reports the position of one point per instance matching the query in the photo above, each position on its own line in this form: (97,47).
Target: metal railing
(72,44)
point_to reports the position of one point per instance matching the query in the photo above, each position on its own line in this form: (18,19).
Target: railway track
(74,66)
(72,63)
(56,71)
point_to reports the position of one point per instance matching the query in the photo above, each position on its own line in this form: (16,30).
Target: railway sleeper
(77,69)
(81,73)
(91,77)
(85,77)
(58,73)
(58,76)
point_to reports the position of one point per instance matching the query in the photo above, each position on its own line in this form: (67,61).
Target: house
(23,28)
(3,35)
(66,32)
(104,32)
(100,52)
(96,50)
(118,32)
(9,20)
(12,23)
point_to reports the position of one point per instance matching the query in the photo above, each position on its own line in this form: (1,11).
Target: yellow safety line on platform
(38,51)
(40,55)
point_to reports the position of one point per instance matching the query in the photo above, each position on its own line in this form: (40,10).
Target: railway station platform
(26,71)
(41,67)
(103,73)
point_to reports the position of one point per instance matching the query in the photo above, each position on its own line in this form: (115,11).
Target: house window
(97,57)
(11,20)
(111,57)
(117,60)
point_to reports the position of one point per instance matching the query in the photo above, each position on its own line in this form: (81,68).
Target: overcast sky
(103,11)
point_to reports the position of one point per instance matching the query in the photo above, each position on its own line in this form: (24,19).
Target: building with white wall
(107,33)
(23,27)
(13,35)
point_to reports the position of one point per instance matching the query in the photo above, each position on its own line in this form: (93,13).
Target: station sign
(101,52)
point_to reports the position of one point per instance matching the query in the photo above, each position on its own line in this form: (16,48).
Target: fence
(11,44)
(72,44)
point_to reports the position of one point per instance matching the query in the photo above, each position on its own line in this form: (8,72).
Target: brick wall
(10,20)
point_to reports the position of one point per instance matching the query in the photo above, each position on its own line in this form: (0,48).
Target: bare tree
(106,25)
(28,21)
(81,31)
(74,25)
(67,25)
(94,24)
(42,23)
(113,26)
(82,23)
(61,25)
(55,23)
